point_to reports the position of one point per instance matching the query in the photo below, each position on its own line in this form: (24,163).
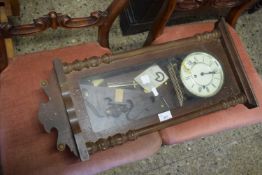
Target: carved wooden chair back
(102,19)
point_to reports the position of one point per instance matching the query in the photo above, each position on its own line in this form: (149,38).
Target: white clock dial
(201,74)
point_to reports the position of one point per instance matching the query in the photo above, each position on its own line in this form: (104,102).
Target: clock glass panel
(151,92)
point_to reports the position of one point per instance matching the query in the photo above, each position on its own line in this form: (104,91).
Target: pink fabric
(184,31)
(231,118)
(25,148)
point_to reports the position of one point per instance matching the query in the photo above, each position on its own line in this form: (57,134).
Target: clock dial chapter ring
(201,74)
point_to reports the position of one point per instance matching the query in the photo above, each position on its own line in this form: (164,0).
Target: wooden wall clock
(101,102)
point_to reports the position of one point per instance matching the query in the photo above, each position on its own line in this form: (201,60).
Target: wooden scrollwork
(53,20)
(189,4)
(102,19)
(183,5)
(226,3)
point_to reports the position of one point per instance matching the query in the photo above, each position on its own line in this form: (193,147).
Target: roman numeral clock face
(201,74)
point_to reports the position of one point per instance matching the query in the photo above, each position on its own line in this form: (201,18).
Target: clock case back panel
(217,43)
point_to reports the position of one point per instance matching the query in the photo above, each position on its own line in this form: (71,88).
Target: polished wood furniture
(139,14)
(7,8)
(12,7)
(236,90)
(102,19)
(27,149)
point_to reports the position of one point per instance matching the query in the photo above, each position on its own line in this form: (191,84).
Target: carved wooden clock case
(101,102)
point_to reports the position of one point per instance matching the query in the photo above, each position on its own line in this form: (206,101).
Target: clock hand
(212,72)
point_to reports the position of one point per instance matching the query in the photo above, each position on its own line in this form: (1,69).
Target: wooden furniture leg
(161,20)
(113,11)
(15,7)
(3,55)
(6,44)
(8,41)
(12,7)
(235,13)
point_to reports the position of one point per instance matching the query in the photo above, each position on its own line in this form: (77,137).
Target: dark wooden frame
(184,11)
(62,111)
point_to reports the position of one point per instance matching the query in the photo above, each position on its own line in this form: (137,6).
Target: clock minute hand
(212,72)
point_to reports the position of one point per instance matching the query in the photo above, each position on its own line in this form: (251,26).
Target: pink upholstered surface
(24,145)
(184,31)
(209,124)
